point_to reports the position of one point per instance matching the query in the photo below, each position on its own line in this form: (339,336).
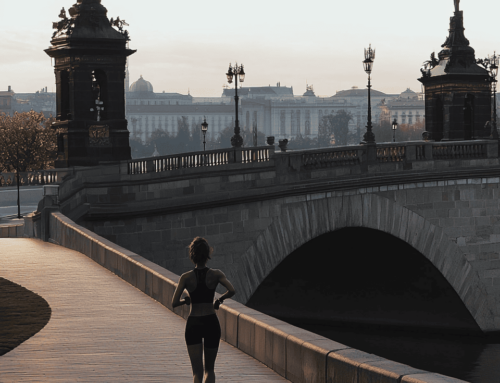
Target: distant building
(40,101)
(6,98)
(141,93)
(279,113)
(407,108)
(359,98)
(261,92)
(274,109)
(147,111)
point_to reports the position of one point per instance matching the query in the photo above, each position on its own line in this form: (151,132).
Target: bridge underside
(361,277)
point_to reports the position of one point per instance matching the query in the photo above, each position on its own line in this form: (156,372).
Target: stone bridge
(257,206)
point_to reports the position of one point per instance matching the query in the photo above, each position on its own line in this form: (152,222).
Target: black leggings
(206,327)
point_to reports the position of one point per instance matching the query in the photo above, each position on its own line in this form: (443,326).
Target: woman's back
(201,285)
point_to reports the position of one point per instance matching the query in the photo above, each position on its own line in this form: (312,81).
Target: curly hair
(199,250)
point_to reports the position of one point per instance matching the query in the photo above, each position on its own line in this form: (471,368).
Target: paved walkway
(102,329)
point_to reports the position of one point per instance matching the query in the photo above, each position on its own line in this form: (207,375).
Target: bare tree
(28,143)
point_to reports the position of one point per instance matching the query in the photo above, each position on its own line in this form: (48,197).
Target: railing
(403,152)
(420,152)
(40,177)
(332,157)
(459,150)
(391,153)
(255,154)
(199,159)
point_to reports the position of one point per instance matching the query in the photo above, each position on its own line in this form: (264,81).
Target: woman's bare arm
(230,289)
(178,292)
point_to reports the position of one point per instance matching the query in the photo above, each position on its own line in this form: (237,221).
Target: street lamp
(493,73)
(394,127)
(369,137)
(204,128)
(18,181)
(236,71)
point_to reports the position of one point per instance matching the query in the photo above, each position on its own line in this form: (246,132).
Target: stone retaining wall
(296,354)
(11,231)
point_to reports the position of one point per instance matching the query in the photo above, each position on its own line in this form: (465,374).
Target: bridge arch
(303,219)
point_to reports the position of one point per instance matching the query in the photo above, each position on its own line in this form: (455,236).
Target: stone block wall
(11,230)
(164,239)
(468,211)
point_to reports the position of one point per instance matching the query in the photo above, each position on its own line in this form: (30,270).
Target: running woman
(202,322)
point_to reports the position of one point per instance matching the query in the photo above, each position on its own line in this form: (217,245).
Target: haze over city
(188,45)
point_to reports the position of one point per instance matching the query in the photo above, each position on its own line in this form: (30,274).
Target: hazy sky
(189,44)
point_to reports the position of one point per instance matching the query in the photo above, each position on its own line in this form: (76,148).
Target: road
(29,196)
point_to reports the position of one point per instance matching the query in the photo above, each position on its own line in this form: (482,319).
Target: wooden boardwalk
(102,329)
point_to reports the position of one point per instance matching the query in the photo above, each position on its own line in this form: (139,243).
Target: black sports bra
(202,294)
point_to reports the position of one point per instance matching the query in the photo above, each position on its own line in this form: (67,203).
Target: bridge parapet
(190,180)
(196,159)
(38,177)
(395,153)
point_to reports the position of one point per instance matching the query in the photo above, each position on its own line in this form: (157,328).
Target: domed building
(408,94)
(309,91)
(141,93)
(148,111)
(141,86)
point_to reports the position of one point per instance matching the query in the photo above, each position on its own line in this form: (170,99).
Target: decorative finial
(457,5)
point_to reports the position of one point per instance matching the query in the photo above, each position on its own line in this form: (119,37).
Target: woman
(202,321)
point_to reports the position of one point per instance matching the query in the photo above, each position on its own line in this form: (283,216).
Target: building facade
(6,101)
(407,108)
(40,101)
(275,110)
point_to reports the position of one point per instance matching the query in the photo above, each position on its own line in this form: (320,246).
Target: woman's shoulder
(217,272)
(187,274)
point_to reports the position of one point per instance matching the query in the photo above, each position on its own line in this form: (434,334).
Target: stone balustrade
(38,177)
(199,159)
(403,153)
(395,153)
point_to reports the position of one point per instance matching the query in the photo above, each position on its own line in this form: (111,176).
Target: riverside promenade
(102,329)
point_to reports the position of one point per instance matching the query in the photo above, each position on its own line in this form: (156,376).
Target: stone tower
(90,55)
(457,90)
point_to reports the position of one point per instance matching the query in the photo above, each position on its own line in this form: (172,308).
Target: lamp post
(369,137)
(17,176)
(236,71)
(204,128)
(394,128)
(494,72)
